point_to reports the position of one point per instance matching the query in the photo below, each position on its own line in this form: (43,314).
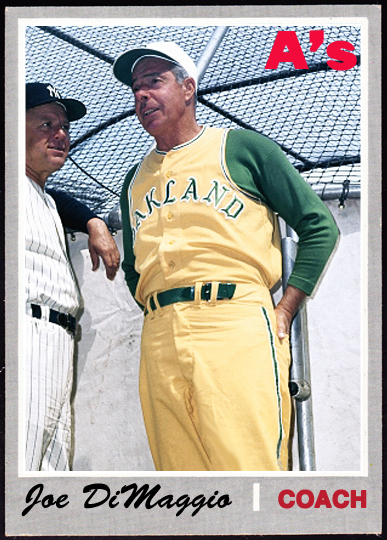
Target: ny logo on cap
(53,92)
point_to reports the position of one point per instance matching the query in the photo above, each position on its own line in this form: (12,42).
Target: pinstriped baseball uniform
(49,283)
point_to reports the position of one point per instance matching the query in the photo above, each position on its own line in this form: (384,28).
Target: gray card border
(243,516)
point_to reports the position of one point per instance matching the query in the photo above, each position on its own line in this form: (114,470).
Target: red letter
(289,39)
(281,496)
(345,60)
(310,501)
(362,498)
(335,498)
(323,499)
(316,37)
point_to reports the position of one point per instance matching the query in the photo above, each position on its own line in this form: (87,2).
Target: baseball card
(193,335)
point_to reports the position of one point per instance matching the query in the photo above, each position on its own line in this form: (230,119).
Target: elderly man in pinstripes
(51,291)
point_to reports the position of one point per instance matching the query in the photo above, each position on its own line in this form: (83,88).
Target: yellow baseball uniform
(201,255)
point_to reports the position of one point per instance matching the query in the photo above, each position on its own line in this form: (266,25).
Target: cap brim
(123,65)
(75,109)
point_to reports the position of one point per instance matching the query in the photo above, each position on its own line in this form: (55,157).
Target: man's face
(47,138)
(160,101)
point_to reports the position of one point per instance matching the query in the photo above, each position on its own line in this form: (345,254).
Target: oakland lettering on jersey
(221,197)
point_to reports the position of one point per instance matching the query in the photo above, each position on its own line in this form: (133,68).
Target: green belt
(187,294)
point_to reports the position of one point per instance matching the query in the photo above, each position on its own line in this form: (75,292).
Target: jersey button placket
(171,214)
(169,217)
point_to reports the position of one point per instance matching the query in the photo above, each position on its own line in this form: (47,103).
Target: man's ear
(189,87)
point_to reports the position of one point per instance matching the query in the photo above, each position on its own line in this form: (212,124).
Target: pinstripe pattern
(48,378)
(49,277)
(276,378)
(49,348)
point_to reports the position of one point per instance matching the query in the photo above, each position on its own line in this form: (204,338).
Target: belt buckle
(206,291)
(192,293)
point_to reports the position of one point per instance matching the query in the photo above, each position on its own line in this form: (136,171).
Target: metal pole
(329,192)
(299,383)
(210,49)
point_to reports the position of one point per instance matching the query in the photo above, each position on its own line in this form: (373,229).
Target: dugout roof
(313,114)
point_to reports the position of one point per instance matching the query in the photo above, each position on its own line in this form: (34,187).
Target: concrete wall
(109,431)
(334,323)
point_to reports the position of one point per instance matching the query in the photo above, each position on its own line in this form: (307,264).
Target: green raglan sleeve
(258,165)
(131,276)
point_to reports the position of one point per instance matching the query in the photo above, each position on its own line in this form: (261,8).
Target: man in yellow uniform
(201,253)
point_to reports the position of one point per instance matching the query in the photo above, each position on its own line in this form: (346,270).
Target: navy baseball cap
(41,93)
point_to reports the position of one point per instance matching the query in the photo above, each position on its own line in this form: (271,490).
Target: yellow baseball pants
(214,385)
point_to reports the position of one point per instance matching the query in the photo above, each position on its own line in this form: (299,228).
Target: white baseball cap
(167,50)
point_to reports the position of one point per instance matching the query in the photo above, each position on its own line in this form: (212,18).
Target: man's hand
(102,244)
(287,308)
